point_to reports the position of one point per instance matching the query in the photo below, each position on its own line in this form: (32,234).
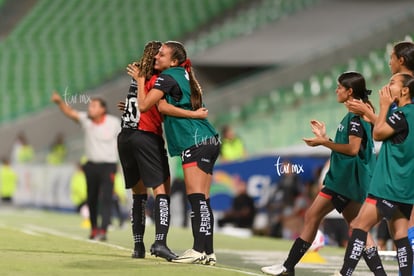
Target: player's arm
(321,139)
(382,130)
(66,109)
(147,100)
(168,109)
(351,149)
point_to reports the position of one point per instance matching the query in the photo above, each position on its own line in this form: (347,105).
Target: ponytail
(196,92)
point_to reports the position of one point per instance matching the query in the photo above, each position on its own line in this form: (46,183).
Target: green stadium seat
(82,43)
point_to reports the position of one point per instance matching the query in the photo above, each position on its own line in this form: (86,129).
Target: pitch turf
(34,242)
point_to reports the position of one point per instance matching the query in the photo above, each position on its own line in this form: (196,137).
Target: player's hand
(56,98)
(356,106)
(200,113)
(318,128)
(386,98)
(360,108)
(315,141)
(133,70)
(121,106)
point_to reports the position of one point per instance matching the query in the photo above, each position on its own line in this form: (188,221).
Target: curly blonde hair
(146,63)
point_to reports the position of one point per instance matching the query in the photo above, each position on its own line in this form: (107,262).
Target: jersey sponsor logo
(355,126)
(395,116)
(185,154)
(205,160)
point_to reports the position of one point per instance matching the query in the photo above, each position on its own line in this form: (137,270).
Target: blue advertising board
(260,175)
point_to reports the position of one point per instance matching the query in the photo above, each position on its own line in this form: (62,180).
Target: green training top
(348,175)
(393,177)
(183,133)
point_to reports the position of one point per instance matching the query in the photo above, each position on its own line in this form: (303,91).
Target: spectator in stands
(8,181)
(57,152)
(101,130)
(390,194)
(242,211)
(22,151)
(194,139)
(232,147)
(345,184)
(147,166)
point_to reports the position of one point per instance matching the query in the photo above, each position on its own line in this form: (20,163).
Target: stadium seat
(81,44)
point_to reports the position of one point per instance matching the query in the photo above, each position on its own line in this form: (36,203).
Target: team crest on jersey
(340,127)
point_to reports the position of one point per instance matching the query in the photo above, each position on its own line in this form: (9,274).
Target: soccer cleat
(277,270)
(94,233)
(210,259)
(337,273)
(139,251)
(101,236)
(191,257)
(161,250)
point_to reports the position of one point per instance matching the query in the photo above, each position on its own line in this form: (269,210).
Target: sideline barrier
(260,175)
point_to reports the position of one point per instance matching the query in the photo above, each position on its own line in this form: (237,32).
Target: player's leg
(367,217)
(370,252)
(320,207)
(399,226)
(106,192)
(92,182)
(195,180)
(139,200)
(153,162)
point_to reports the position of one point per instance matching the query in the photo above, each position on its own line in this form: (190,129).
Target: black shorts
(203,155)
(388,208)
(339,201)
(143,156)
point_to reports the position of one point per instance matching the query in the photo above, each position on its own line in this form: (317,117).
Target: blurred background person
(243,210)
(282,201)
(119,200)
(57,151)
(22,151)
(8,181)
(101,130)
(78,194)
(232,147)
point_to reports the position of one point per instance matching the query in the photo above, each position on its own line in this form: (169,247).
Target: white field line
(54,232)
(50,231)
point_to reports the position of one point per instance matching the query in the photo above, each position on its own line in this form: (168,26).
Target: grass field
(34,242)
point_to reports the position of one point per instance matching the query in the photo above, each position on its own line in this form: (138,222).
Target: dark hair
(356,81)
(405,50)
(101,102)
(146,63)
(179,53)
(408,81)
